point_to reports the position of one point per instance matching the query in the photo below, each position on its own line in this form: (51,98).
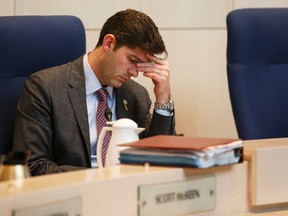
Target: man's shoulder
(62,71)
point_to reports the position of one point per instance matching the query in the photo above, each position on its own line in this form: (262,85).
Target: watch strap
(166,106)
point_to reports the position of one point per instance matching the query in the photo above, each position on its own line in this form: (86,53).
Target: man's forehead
(141,55)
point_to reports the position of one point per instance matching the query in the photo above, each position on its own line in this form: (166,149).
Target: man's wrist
(169,106)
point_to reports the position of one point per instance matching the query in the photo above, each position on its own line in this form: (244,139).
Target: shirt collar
(92,83)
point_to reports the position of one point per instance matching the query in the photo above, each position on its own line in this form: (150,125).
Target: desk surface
(33,184)
(119,184)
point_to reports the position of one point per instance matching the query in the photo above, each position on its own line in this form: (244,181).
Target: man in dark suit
(55,115)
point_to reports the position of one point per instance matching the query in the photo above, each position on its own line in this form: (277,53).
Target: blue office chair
(257,67)
(29,44)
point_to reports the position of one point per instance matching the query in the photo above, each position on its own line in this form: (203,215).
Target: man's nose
(133,72)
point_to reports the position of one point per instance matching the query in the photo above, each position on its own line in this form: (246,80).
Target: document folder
(194,152)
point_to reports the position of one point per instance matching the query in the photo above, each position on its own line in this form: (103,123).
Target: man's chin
(116,84)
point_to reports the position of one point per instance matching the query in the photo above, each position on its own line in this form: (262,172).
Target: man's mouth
(123,79)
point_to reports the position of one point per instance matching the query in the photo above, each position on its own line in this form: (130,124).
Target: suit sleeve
(162,125)
(138,96)
(158,124)
(33,129)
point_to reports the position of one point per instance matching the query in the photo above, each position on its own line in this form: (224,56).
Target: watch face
(171,103)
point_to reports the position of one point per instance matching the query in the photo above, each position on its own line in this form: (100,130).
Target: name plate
(69,207)
(176,198)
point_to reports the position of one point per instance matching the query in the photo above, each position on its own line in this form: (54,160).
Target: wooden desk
(258,186)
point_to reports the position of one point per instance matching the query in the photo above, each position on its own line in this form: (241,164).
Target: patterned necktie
(102,95)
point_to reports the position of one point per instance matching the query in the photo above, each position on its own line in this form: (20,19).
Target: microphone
(108,115)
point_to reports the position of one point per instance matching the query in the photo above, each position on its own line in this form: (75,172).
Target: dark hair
(134,29)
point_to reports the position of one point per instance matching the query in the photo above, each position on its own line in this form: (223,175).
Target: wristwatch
(166,106)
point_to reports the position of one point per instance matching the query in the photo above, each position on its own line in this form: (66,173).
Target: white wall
(195,35)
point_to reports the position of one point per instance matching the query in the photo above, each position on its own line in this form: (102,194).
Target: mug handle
(99,147)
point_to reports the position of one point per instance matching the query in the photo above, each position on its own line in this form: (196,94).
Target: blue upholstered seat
(29,44)
(257,67)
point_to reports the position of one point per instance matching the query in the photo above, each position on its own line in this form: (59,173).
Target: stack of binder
(193,152)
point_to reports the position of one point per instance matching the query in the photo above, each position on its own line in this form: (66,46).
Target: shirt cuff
(163,112)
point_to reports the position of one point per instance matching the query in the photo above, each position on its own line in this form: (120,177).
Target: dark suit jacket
(52,118)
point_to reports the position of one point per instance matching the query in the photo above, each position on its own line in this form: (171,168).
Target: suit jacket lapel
(77,96)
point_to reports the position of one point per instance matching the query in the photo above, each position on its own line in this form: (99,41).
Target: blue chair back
(257,67)
(29,44)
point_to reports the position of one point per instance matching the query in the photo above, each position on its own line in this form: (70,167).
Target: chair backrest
(257,67)
(29,44)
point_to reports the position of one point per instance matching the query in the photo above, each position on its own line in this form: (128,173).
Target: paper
(216,154)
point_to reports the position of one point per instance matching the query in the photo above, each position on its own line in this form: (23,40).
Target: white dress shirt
(92,84)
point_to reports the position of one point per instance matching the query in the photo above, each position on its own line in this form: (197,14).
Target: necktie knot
(102,94)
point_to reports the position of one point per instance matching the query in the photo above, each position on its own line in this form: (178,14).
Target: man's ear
(109,42)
